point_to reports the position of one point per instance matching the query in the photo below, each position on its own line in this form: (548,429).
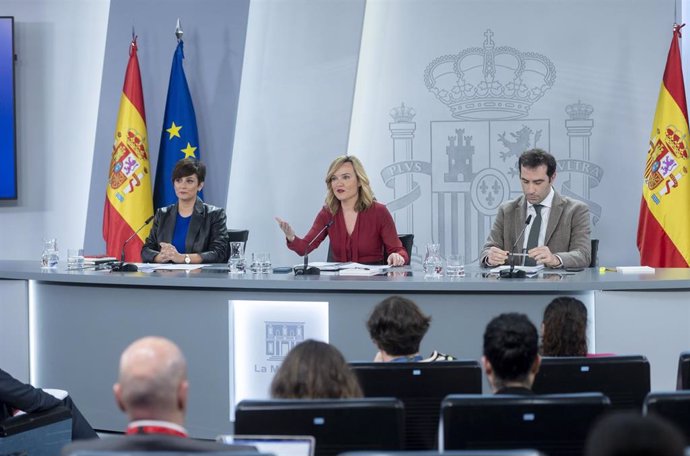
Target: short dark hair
(315,370)
(565,328)
(188,166)
(534,158)
(630,434)
(397,326)
(511,345)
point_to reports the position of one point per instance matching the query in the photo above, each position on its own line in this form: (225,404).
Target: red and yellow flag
(129,200)
(663,231)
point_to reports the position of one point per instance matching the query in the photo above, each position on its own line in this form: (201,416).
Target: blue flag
(179,138)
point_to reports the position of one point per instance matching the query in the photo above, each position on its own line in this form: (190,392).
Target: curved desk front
(78,323)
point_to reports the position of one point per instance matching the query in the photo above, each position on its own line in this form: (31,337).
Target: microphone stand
(129,267)
(512,273)
(306,269)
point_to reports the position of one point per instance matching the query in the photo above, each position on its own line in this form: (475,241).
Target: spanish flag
(129,201)
(663,232)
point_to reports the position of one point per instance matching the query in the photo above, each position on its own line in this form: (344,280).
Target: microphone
(122,267)
(512,273)
(306,269)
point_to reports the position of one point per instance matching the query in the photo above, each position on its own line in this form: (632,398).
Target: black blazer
(207,234)
(17,395)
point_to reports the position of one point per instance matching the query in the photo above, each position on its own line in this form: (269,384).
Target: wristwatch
(187,259)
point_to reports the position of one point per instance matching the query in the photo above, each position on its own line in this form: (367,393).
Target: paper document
(361,269)
(527,269)
(635,269)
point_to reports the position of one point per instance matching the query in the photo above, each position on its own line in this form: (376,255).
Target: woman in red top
(358,227)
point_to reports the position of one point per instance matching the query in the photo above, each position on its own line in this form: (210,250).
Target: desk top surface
(404,279)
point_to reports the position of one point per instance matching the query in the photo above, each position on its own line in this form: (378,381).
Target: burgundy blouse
(373,230)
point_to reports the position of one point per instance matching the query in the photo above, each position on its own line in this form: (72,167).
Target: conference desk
(71,326)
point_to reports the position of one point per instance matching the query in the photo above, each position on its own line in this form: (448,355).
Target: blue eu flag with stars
(179,138)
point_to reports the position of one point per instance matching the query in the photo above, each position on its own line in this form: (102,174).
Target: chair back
(674,406)
(421,387)
(446,453)
(36,434)
(623,379)
(594,249)
(556,425)
(338,425)
(683,371)
(238,236)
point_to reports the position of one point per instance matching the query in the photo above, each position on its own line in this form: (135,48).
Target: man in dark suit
(16,396)
(558,234)
(152,390)
(511,354)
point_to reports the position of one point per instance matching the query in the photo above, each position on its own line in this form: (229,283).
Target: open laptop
(279,445)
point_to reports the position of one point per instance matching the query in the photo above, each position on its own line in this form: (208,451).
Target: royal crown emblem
(490,82)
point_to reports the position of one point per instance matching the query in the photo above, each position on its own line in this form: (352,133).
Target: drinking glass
(236,262)
(75,258)
(50,255)
(433,262)
(261,262)
(455,266)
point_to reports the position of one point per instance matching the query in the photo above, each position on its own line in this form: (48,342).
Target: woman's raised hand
(287,229)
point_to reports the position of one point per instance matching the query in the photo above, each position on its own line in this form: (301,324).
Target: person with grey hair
(152,390)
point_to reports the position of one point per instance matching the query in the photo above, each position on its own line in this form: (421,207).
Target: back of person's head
(564,328)
(631,434)
(397,326)
(314,370)
(152,382)
(511,346)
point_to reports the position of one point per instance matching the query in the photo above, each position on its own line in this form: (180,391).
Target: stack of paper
(358,269)
(635,269)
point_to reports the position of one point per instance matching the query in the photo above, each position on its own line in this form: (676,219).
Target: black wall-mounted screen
(8,146)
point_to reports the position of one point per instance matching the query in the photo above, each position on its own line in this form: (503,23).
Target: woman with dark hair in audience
(564,328)
(315,370)
(189,231)
(397,327)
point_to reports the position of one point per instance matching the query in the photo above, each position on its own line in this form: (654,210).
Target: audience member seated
(397,327)
(16,396)
(315,370)
(629,434)
(152,390)
(511,354)
(564,329)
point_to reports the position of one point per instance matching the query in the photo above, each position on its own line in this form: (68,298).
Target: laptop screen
(279,445)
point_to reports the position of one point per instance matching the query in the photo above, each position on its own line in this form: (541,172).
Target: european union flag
(179,138)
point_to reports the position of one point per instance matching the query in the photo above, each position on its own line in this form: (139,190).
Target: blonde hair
(365,196)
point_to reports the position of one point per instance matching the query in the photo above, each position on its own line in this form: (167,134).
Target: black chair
(556,425)
(407,241)
(36,434)
(421,387)
(594,260)
(238,236)
(446,453)
(623,379)
(673,406)
(338,425)
(683,371)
